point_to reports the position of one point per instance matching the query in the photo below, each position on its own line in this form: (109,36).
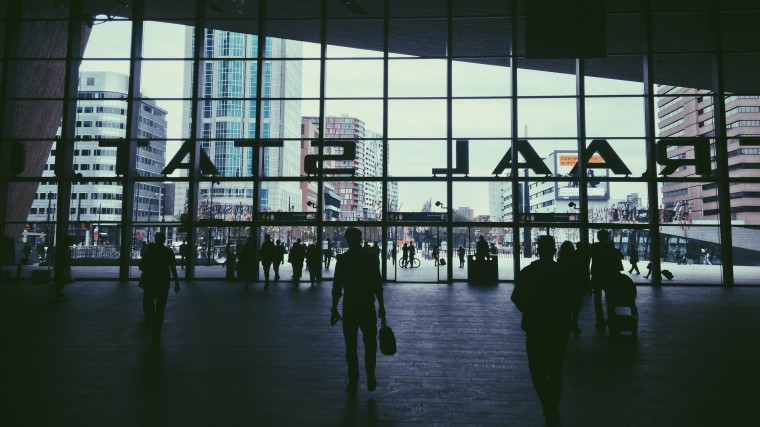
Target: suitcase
(668,275)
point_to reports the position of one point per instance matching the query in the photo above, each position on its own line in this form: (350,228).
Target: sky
(540,120)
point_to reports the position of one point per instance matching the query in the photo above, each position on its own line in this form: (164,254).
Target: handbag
(387,339)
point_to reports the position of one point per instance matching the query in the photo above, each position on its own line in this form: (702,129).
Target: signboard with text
(417,216)
(565,161)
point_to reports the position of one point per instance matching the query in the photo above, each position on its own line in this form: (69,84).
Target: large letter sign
(532,160)
(463,159)
(311,164)
(701,160)
(612,161)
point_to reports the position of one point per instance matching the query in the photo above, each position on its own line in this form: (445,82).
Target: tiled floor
(231,356)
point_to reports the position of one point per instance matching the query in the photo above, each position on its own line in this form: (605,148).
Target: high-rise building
(102,115)
(360,200)
(228,112)
(685,112)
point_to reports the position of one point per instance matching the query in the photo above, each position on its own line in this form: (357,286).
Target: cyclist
(405,255)
(411,254)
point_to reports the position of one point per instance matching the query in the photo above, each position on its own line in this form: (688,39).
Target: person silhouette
(544,298)
(313,263)
(247,261)
(295,258)
(568,261)
(279,258)
(604,269)
(404,255)
(183,249)
(266,254)
(481,249)
(436,253)
(357,278)
(460,253)
(634,259)
(328,253)
(156,266)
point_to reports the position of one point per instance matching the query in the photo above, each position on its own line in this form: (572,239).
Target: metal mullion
(199,46)
(7,109)
(320,125)
(384,219)
(64,147)
(580,93)
(132,129)
(721,148)
(650,135)
(258,149)
(516,199)
(449,137)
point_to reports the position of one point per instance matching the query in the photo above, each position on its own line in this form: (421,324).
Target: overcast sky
(410,77)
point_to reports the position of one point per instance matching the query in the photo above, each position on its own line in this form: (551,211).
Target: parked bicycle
(403,263)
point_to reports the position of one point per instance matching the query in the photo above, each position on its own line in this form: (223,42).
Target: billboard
(564,161)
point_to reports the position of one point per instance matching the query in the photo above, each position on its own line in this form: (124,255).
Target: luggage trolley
(622,293)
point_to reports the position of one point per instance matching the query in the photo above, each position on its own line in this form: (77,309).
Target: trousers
(546,351)
(366,320)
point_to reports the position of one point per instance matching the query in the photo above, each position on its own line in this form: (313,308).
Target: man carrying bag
(357,278)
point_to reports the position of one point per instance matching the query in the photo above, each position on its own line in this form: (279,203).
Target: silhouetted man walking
(357,279)
(267,254)
(604,264)
(156,265)
(545,302)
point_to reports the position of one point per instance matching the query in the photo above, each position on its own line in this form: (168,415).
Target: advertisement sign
(564,161)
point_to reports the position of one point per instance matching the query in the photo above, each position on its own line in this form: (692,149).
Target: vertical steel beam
(449,137)
(385,210)
(721,146)
(580,102)
(513,170)
(10,67)
(650,136)
(132,133)
(196,114)
(258,147)
(64,152)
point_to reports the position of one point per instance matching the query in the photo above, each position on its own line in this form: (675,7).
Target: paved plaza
(268,357)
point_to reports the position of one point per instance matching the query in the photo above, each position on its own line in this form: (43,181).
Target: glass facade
(427,124)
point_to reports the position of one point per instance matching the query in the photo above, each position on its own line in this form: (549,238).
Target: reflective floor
(428,272)
(231,356)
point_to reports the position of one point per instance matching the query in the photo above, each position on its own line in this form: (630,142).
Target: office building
(101,115)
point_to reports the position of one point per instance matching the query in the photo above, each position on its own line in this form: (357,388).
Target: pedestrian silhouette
(404,255)
(436,252)
(328,254)
(313,263)
(605,266)
(568,261)
(156,266)
(279,258)
(634,259)
(267,254)
(246,265)
(460,253)
(295,258)
(545,300)
(183,249)
(357,279)
(481,249)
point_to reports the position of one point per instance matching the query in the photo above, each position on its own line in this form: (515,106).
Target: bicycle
(403,263)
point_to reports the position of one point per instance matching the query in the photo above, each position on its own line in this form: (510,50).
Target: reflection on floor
(269,357)
(428,272)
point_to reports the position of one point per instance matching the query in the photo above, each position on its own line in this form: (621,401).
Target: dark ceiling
(682,40)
